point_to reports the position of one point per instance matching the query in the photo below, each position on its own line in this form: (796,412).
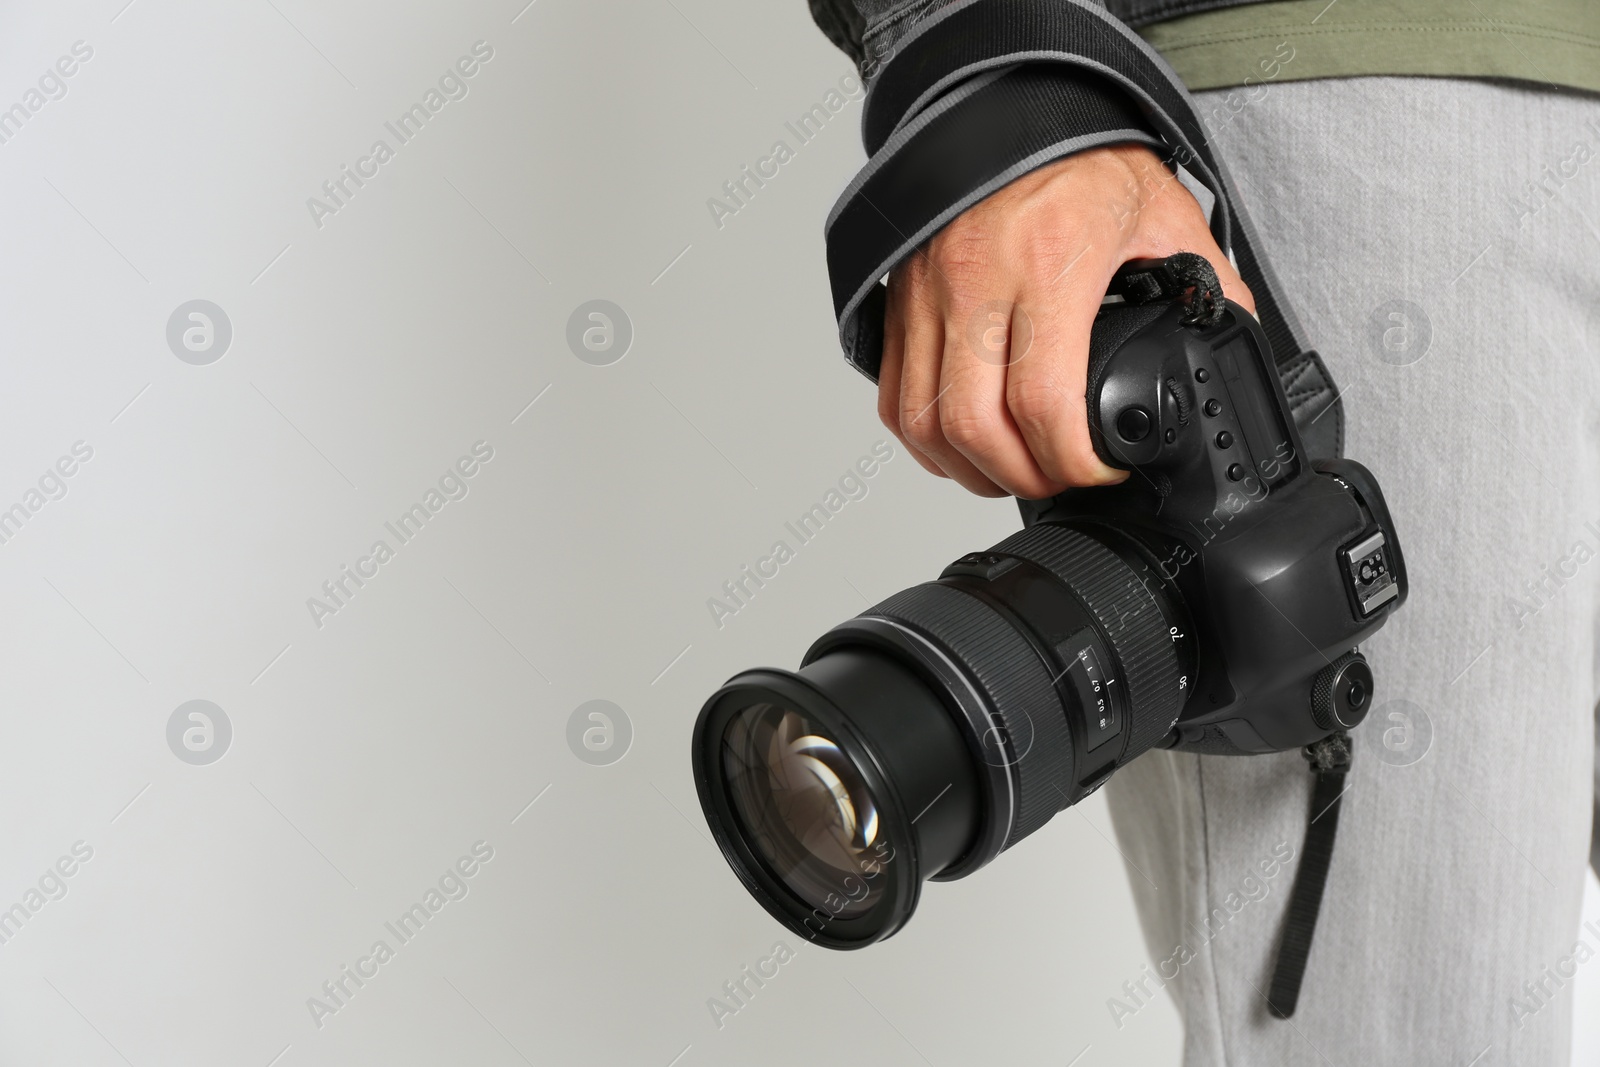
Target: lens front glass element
(805,809)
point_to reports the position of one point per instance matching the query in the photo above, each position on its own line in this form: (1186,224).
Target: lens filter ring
(804,812)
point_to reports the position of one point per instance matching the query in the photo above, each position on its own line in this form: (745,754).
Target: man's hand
(986,337)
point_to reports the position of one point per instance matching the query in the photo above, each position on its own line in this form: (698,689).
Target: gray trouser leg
(1594,826)
(1439,239)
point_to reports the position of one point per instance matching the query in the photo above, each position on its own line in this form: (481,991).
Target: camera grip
(1112,327)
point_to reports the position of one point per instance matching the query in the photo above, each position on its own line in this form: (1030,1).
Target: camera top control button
(1134,424)
(1202,375)
(1213,408)
(1224,439)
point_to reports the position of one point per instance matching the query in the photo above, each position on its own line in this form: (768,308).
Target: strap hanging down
(986,90)
(1330,762)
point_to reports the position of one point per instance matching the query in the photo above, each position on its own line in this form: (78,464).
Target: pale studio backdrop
(245,346)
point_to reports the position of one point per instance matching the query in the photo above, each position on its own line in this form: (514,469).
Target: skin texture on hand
(986,335)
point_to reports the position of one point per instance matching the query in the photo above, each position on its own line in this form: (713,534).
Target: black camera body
(1283,565)
(1212,602)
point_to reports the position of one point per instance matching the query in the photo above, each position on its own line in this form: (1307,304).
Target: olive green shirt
(1551,41)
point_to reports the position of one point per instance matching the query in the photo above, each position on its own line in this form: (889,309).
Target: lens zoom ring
(1126,609)
(1014,679)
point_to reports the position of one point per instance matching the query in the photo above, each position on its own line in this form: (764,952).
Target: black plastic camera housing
(1284,565)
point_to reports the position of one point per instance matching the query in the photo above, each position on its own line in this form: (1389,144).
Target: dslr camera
(1213,602)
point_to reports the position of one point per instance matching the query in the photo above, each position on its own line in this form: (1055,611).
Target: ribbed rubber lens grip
(1126,609)
(1016,683)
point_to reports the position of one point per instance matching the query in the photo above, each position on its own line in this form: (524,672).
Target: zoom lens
(922,738)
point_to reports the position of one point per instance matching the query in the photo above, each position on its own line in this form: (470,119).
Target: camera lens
(801,799)
(922,738)
(834,790)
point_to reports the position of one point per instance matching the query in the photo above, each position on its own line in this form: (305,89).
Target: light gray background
(367,355)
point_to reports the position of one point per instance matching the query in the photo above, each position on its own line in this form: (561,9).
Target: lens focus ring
(1126,609)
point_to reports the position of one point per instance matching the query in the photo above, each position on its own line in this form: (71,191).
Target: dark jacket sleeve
(868,30)
(863,28)
(842,23)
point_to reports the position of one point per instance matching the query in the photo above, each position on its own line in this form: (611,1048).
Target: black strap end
(1330,762)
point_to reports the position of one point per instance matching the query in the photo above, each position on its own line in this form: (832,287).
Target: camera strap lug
(1330,763)
(1181,276)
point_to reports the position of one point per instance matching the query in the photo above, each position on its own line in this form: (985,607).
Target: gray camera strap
(984,91)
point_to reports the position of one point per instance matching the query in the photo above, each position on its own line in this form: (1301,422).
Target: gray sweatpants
(1441,241)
